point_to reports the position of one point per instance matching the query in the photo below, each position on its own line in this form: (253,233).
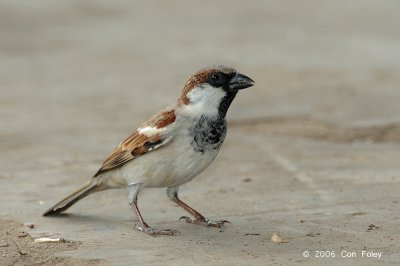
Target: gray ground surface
(312,151)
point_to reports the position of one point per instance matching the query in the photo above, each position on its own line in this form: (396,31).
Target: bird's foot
(205,222)
(154,231)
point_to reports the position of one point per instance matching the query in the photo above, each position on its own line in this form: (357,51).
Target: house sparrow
(171,148)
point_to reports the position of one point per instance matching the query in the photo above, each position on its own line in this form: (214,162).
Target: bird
(171,148)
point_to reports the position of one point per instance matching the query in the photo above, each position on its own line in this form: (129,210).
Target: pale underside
(173,161)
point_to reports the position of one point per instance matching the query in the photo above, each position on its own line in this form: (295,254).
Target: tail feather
(67,202)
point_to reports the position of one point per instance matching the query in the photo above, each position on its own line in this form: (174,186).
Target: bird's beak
(240,81)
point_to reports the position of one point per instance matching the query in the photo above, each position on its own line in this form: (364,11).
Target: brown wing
(140,142)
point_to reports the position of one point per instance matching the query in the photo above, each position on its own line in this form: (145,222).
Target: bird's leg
(199,219)
(143,226)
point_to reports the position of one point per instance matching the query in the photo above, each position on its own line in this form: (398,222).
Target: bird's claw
(154,231)
(204,222)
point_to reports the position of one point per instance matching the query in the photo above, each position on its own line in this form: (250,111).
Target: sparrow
(171,148)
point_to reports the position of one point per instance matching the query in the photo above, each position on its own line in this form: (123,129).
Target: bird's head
(211,91)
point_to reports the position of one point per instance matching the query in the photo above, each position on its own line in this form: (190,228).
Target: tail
(87,188)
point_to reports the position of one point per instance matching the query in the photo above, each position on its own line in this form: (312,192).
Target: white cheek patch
(205,99)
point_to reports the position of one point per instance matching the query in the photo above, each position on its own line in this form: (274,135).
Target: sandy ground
(312,151)
(18,248)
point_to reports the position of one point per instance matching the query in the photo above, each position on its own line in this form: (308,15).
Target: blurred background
(79,63)
(78,76)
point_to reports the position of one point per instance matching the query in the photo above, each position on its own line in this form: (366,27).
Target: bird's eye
(215,77)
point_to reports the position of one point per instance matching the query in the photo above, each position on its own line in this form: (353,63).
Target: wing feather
(141,142)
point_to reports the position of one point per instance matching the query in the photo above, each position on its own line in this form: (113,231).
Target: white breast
(172,165)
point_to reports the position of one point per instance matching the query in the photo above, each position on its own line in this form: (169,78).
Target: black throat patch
(226,102)
(208,134)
